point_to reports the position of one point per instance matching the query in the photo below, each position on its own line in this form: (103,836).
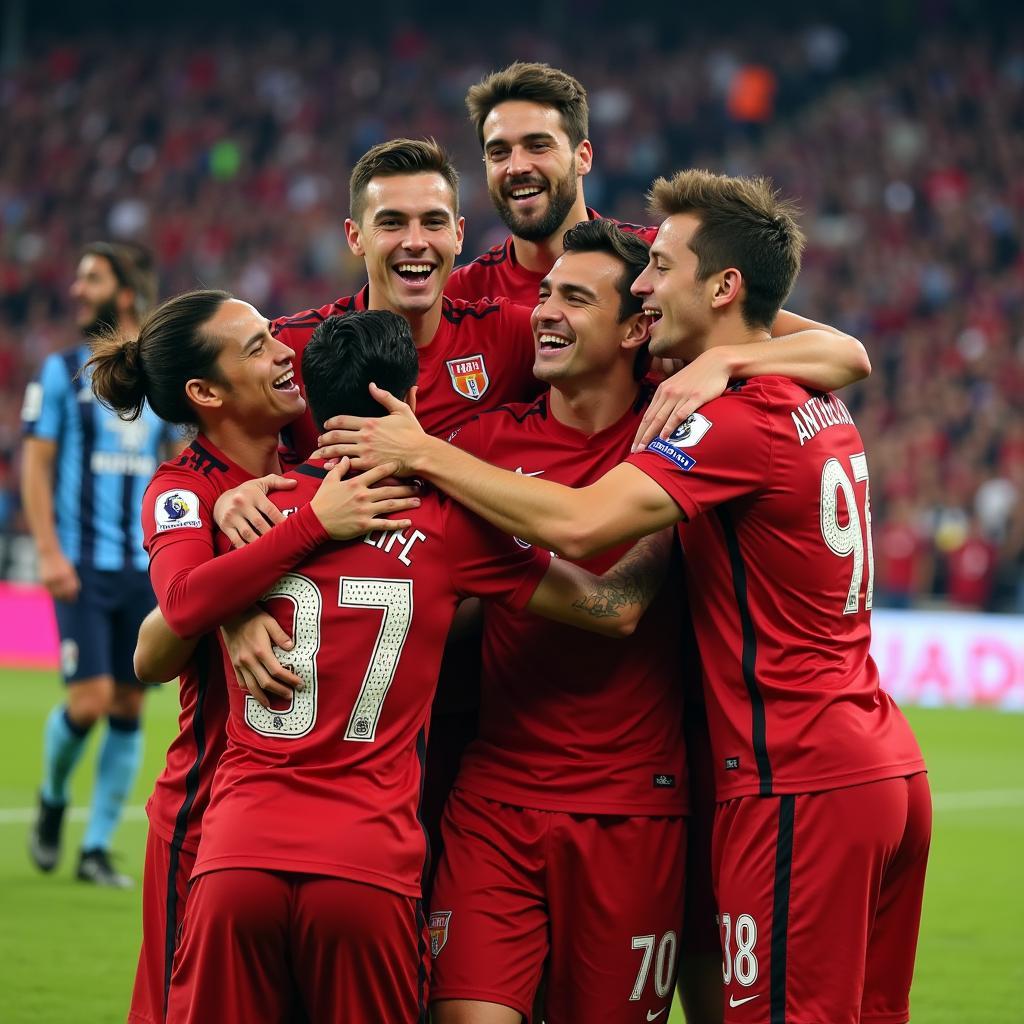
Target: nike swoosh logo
(733,1001)
(519,470)
(655,1016)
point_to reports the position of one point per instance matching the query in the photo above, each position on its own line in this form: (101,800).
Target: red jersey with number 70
(773,482)
(328,782)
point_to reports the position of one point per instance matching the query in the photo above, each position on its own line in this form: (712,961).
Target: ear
(204,394)
(727,286)
(410,398)
(353,235)
(460,232)
(584,157)
(638,332)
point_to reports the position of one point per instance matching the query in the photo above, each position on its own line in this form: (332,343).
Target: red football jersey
(182,790)
(329,782)
(480,357)
(496,273)
(570,721)
(773,481)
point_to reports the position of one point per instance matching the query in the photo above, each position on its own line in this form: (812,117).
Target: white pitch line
(968,800)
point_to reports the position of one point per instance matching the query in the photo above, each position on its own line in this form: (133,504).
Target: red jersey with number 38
(773,481)
(328,782)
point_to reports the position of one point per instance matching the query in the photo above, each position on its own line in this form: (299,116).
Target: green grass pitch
(67,951)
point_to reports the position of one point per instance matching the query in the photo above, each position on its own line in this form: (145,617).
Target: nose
(414,240)
(76,289)
(641,286)
(519,161)
(282,353)
(547,312)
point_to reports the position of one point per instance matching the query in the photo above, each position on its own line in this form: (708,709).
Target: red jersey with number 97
(328,782)
(773,482)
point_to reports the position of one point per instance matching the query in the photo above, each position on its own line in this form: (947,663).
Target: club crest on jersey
(175,509)
(469,376)
(439,930)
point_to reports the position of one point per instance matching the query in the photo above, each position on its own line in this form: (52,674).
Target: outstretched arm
(612,603)
(160,654)
(625,503)
(810,353)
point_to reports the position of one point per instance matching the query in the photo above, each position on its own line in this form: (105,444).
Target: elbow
(147,671)
(861,362)
(627,625)
(576,541)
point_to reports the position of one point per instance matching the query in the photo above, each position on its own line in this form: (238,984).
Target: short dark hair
(743,224)
(537,83)
(631,250)
(133,267)
(171,349)
(400,156)
(347,352)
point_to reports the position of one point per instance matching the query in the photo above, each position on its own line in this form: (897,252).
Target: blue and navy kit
(102,468)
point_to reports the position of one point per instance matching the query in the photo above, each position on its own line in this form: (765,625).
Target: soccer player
(309,873)
(83,475)
(824,816)
(532,121)
(565,837)
(206,360)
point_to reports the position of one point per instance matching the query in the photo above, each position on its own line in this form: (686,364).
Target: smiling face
(576,327)
(409,235)
(680,306)
(533,171)
(257,387)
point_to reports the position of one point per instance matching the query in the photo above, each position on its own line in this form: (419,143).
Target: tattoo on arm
(632,581)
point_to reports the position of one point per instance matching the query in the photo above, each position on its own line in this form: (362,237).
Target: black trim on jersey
(421,756)
(780,909)
(129,513)
(538,407)
(313,317)
(494,256)
(421,967)
(456,314)
(201,461)
(87,493)
(315,471)
(749,658)
(198,726)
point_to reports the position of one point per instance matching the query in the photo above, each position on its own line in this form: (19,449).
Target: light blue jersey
(103,464)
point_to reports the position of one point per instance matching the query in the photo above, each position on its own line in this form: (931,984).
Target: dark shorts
(99,629)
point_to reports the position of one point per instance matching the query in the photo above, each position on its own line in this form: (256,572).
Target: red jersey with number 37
(498,274)
(328,783)
(773,481)
(480,357)
(570,721)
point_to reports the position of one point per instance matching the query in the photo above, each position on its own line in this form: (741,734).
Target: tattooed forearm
(629,586)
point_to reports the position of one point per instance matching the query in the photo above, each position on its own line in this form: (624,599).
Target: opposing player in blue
(84,472)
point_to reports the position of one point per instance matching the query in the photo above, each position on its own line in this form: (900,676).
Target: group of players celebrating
(594,846)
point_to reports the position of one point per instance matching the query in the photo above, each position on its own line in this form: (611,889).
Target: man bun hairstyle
(395,157)
(536,83)
(170,350)
(349,351)
(743,224)
(133,267)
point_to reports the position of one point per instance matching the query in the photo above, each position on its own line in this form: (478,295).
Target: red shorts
(270,947)
(600,897)
(164,891)
(819,898)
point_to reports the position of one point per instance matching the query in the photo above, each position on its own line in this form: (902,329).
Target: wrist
(423,459)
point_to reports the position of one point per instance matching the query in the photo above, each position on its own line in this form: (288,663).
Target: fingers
(268,682)
(276,482)
(387,399)
(275,632)
(382,472)
(678,416)
(248,683)
(651,422)
(234,536)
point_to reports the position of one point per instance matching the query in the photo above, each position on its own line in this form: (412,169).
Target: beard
(561,200)
(103,318)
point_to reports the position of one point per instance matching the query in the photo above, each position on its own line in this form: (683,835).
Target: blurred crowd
(230,159)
